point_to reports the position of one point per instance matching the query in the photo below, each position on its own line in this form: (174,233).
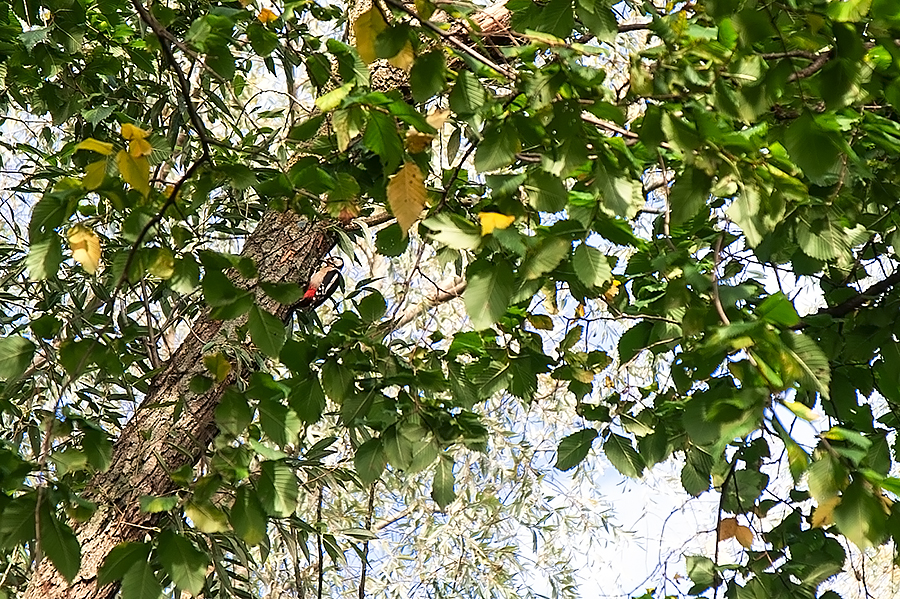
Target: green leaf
(277,488)
(183,562)
(442,485)
(546,256)
(454,231)
(381,136)
(426,78)
(140,583)
(826,477)
(120,560)
(497,148)
(621,454)
(16,354)
(233,413)
(695,475)
(337,380)
(689,194)
(591,266)
(702,572)
(153,505)
(266,331)
(778,310)
(468,95)
(634,340)
(574,448)
(247,517)
(44,258)
(815,372)
(546,192)
(815,148)
(620,196)
(17,521)
(372,307)
(860,516)
(370,461)
(280,423)
(59,543)
(489,289)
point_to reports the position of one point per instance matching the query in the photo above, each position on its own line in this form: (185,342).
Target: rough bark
(173,426)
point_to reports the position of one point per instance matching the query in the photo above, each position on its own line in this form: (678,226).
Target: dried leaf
(417,142)
(727,528)
(744,536)
(437,118)
(85,246)
(406,195)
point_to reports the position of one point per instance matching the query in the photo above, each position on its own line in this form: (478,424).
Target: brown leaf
(744,536)
(727,528)
(823,515)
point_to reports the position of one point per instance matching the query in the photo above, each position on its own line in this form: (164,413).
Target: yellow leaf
(266,16)
(613,290)
(101,147)
(405,58)
(437,118)
(85,246)
(801,411)
(367,27)
(493,220)
(417,142)
(163,263)
(139,147)
(579,311)
(206,517)
(129,131)
(744,536)
(406,195)
(218,365)
(333,99)
(135,171)
(540,321)
(582,376)
(823,515)
(727,528)
(94,174)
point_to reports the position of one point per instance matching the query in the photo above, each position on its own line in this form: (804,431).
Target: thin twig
(365,555)
(715,281)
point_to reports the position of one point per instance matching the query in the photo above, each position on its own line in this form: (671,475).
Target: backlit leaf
(406,195)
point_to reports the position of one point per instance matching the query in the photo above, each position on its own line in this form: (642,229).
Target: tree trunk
(173,426)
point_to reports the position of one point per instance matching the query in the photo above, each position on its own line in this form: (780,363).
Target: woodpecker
(321,285)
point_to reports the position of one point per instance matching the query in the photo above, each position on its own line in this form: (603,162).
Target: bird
(322,285)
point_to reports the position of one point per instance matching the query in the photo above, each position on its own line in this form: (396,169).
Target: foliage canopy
(714,181)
